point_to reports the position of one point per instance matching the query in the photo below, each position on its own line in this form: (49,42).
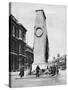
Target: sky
(55,22)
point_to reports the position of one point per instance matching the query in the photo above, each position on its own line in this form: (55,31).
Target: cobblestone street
(30,81)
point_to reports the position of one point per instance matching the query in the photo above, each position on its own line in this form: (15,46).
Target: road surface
(30,81)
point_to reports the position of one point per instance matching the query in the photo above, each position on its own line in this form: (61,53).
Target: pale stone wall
(40,42)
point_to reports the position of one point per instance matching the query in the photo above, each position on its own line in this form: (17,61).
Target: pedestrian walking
(21,72)
(57,69)
(37,71)
(54,70)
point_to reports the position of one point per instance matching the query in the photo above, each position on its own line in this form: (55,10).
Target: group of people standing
(52,70)
(21,74)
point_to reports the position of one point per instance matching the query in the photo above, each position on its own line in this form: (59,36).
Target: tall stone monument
(40,40)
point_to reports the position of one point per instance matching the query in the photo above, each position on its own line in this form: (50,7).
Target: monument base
(41,65)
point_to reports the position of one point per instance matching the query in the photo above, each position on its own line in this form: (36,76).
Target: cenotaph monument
(40,41)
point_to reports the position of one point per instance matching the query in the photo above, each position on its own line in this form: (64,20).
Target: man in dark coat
(57,69)
(37,71)
(21,72)
(54,70)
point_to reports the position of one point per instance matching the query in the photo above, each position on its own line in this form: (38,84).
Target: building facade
(16,44)
(20,54)
(29,58)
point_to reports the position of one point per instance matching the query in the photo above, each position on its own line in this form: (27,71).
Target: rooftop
(16,21)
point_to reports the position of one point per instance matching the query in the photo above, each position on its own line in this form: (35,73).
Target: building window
(17,32)
(20,49)
(13,31)
(23,36)
(20,34)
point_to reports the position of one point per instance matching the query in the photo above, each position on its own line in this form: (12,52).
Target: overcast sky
(55,21)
